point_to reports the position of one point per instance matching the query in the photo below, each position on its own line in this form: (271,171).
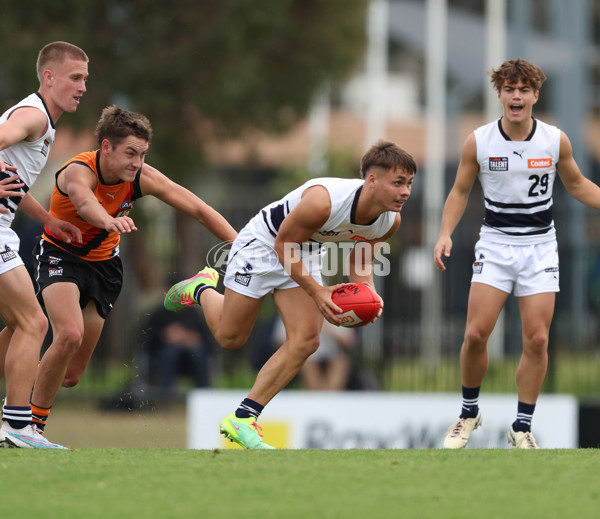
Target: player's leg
(535,289)
(230,316)
(93,324)
(5,337)
(484,306)
(302,321)
(536,316)
(27,327)
(62,305)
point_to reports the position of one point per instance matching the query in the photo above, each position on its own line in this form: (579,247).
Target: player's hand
(66,231)
(4,167)
(442,250)
(327,307)
(10,187)
(121,225)
(372,287)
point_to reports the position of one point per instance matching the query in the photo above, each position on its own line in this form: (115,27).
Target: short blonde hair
(57,52)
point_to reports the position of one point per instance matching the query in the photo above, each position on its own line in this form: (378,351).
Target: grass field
(173,483)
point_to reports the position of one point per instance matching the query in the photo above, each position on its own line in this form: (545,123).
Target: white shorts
(9,250)
(254,270)
(526,269)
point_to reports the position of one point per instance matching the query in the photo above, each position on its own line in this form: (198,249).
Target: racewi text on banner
(376,420)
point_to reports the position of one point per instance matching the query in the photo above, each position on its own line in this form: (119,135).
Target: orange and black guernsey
(117,200)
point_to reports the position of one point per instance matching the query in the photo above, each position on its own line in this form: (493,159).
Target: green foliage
(195,68)
(159,483)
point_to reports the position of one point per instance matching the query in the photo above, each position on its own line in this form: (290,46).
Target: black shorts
(100,281)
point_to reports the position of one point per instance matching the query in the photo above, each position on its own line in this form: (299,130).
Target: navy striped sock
(249,408)
(470,405)
(17,416)
(198,290)
(524,417)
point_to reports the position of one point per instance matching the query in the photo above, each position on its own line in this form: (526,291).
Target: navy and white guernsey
(29,157)
(340,226)
(517,178)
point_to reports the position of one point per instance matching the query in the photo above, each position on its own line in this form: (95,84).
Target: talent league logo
(498,163)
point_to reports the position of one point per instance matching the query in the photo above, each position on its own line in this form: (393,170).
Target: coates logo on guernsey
(539,163)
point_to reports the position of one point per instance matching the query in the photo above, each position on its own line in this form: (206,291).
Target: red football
(359,303)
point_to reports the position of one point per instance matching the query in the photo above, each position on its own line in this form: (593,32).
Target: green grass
(163,483)
(573,373)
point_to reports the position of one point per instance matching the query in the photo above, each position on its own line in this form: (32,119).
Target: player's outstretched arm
(64,230)
(78,182)
(156,184)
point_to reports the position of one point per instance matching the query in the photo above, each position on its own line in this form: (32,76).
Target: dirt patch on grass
(84,425)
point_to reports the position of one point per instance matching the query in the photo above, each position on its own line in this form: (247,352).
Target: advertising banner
(376,420)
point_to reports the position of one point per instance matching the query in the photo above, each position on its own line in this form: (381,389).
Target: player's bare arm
(456,202)
(302,222)
(155,183)
(24,124)
(578,186)
(78,182)
(66,231)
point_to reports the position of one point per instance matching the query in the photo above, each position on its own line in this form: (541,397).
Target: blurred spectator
(330,367)
(174,346)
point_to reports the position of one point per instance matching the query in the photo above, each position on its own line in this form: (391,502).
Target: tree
(198,69)
(195,68)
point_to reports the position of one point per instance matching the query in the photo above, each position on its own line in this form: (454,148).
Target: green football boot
(243,431)
(181,294)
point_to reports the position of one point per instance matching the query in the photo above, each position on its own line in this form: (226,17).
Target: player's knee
(536,345)
(230,342)
(67,341)
(40,326)
(307,347)
(475,339)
